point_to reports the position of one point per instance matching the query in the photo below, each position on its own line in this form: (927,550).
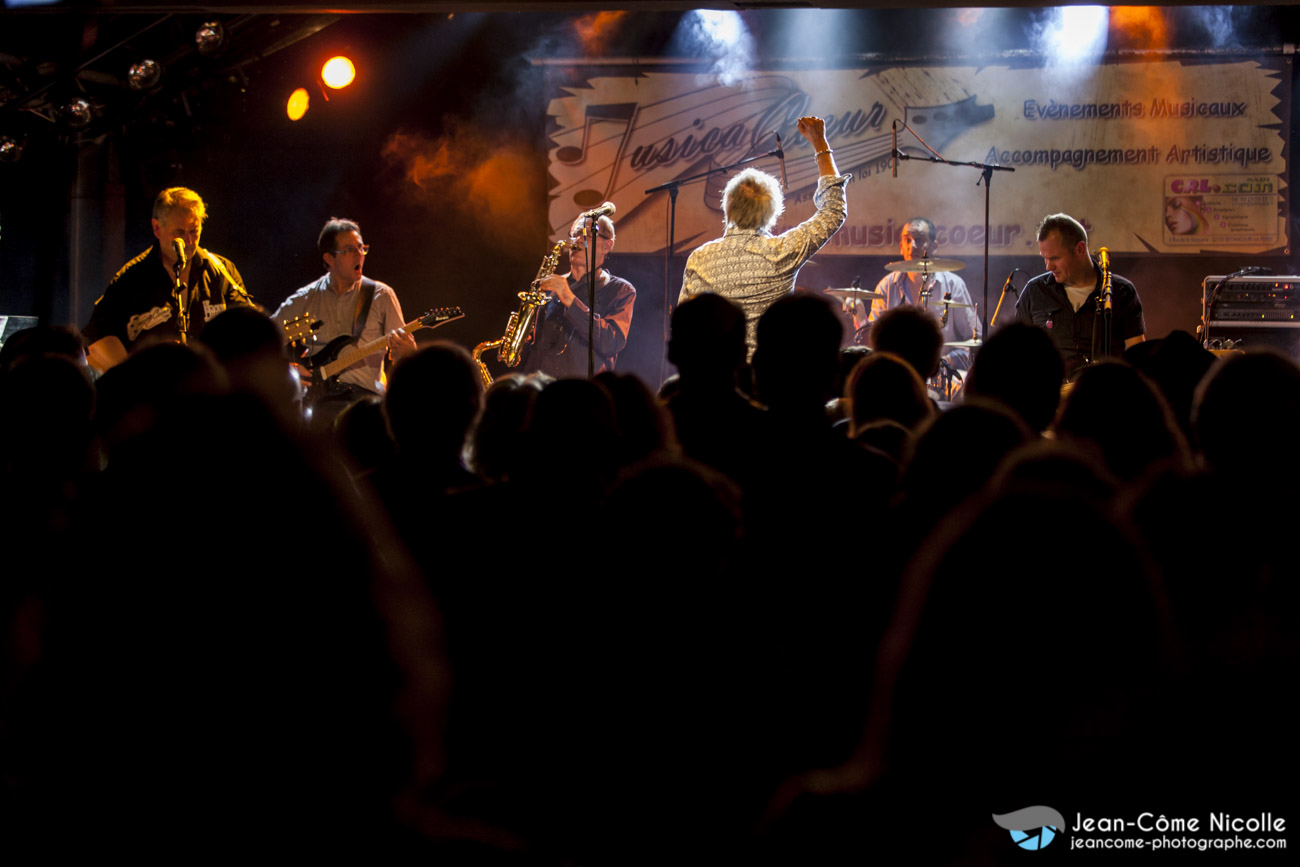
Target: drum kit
(947,383)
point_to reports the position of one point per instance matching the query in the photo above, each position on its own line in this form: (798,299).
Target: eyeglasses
(351,248)
(578,239)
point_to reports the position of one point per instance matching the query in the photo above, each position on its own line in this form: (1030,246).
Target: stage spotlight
(298,103)
(10,150)
(77,113)
(722,28)
(209,37)
(1080,36)
(338,72)
(144,76)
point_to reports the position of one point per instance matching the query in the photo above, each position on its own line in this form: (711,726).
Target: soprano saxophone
(522,322)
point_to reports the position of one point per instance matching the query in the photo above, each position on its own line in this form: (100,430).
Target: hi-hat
(966,344)
(926,266)
(855,293)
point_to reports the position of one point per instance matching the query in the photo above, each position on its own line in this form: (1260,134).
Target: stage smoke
(720,35)
(489,180)
(596,30)
(1217,21)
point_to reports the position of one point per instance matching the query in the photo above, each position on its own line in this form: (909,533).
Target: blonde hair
(182,198)
(752,200)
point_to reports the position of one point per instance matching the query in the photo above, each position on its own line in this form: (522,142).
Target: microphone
(1006,287)
(178,248)
(605,210)
(893,150)
(780,155)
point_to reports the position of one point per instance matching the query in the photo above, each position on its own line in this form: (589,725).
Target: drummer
(925,282)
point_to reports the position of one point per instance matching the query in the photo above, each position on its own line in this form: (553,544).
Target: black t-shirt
(138,308)
(1044,303)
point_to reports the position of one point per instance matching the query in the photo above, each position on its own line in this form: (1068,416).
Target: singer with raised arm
(352,306)
(559,347)
(1066,301)
(167,292)
(749,264)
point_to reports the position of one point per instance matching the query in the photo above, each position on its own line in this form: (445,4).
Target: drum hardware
(925,266)
(947,382)
(855,293)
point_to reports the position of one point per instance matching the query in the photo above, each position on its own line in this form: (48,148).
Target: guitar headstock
(436,316)
(299,329)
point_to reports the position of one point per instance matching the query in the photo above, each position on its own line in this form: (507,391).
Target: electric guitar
(299,329)
(342,352)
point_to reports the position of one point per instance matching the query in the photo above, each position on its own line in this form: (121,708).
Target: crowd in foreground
(779,613)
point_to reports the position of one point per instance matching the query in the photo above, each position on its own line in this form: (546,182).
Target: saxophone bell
(523,322)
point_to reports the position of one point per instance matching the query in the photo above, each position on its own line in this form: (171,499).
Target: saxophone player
(560,346)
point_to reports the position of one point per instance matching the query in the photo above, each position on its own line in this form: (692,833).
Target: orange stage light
(297,105)
(338,72)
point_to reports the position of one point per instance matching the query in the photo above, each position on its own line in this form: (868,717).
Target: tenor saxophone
(522,322)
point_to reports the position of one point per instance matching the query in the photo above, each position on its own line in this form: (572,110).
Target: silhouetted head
(797,357)
(42,340)
(1113,406)
(912,334)
(432,400)
(884,386)
(708,337)
(1021,368)
(1246,408)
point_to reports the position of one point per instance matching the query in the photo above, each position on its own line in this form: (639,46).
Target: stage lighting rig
(144,76)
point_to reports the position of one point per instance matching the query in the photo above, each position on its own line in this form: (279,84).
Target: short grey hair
(752,200)
(1072,231)
(604,226)
(179,199)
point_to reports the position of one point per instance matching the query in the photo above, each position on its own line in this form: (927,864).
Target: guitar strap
(364,297)
(221,269)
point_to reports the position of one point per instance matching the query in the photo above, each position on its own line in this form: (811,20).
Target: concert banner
(1154,157)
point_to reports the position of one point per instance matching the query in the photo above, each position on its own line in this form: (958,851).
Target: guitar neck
(365,350)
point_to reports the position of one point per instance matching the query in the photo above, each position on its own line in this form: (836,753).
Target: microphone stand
(182,309)
(1002,296)
(986,174)
(1104,306)
(672,187)
(593,237)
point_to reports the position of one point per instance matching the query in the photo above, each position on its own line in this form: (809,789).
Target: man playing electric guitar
(350,305)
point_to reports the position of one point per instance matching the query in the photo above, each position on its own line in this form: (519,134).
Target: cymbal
(966,344)
(926,266)
(947,303)
(855,293)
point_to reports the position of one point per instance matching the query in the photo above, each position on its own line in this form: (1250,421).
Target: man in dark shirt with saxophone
(560,346)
